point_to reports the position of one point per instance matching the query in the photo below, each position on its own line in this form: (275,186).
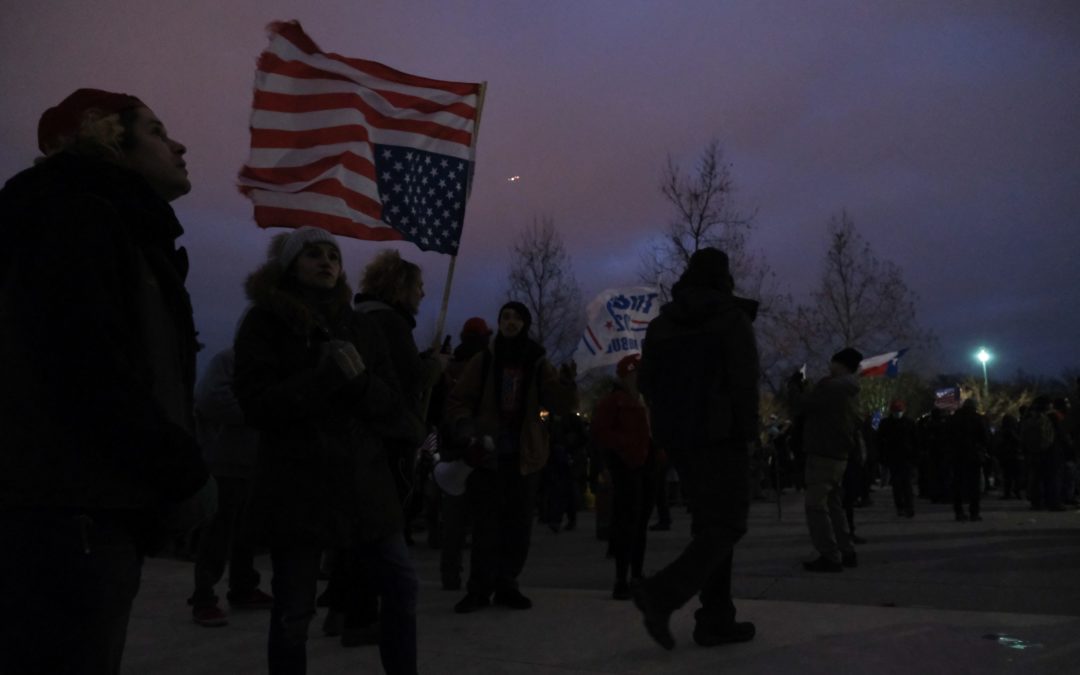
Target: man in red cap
(98,349)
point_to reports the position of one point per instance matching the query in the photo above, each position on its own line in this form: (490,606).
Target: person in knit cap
(494,411)
(699,375)
(97,347)
(830,413)
(620,429)
(314,378)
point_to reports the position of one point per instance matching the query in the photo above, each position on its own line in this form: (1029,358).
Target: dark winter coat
(831,413)
(415,375)
(229,445)
(969,437)
(898,441)
(699,371)
(322,477)
(97,344)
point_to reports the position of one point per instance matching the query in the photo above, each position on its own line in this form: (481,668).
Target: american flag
(358,148)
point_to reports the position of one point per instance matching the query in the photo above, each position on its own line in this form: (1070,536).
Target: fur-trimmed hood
(270,288)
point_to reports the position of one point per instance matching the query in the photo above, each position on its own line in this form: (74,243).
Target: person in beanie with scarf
(699,375)
(494,410)
(97,347)
(314,378)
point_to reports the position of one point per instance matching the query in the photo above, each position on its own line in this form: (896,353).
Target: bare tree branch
(542,277)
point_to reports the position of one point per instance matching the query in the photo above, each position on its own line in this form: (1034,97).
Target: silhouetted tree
(862,302)
(542,278)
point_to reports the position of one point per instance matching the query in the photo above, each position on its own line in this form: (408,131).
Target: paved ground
(930,595)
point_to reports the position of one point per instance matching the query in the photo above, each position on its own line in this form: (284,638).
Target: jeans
(824,506)
(716,482)
(383,564)
(501,501)
(227,537)
(67,583)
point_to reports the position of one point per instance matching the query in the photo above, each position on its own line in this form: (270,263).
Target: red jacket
(621,424)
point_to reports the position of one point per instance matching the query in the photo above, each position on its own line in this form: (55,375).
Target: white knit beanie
(301,237)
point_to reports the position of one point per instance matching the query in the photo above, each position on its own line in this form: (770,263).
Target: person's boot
(657,622)
(823,564)
(711,636)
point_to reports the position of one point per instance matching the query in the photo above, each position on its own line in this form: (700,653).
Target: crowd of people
(320,433)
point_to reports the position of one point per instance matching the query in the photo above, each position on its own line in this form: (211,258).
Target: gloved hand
(344,355)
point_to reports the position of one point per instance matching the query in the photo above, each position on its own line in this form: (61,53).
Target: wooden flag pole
(440,324)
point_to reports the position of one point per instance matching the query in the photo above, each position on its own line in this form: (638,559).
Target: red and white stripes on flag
(887,364)
(348,145)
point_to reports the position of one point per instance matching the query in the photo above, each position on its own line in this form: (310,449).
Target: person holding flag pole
(352,147)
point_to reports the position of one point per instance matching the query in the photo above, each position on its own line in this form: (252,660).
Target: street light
(983,356)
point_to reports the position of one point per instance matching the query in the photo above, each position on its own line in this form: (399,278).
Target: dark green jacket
(831,417)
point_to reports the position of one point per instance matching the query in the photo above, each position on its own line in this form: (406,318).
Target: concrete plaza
(930,595)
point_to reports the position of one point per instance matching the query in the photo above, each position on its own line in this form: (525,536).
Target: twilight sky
(950,131)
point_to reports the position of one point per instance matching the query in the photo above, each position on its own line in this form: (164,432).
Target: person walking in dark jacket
(315,379)
(898,441)
(97,347)
(830,435)
(969,442)
(699,375)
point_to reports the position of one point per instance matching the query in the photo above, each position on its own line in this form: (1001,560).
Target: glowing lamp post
(983,356)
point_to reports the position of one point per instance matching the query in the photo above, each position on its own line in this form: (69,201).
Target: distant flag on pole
(617,319)
(358,148)
(887,364)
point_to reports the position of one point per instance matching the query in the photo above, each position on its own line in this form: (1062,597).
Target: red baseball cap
(628,364)
(475,327)
(63,120)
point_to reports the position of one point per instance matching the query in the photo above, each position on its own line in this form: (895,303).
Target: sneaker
(849,559)
(359,636)
(253,599)
(622,591)
(739,631)
(656,621)
(210,616)
(823,564)
(512,599)
(471,602)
